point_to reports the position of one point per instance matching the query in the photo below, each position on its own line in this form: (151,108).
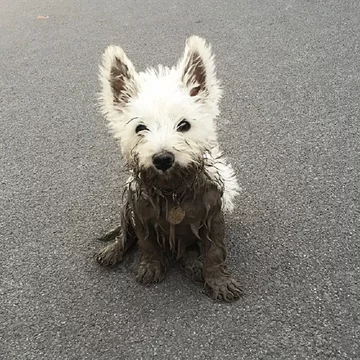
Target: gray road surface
(289,124)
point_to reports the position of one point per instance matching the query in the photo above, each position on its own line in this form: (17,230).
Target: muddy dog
(180,184)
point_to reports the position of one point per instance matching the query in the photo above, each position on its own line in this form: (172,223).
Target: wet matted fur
(180,183)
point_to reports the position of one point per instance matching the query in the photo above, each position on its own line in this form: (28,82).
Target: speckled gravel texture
(290,126)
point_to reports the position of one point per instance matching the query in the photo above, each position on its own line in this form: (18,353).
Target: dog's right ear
(118,79)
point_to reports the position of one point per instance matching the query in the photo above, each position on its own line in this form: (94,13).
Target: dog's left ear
(197,70)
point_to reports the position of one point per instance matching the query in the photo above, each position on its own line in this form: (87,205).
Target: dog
(180,183)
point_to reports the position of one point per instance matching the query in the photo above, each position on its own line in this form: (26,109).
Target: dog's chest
(193,207)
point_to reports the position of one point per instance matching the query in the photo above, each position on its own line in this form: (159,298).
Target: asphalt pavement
(289,125)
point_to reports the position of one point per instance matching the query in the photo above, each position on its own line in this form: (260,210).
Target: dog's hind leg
(111,235)
(113,253)
(124,237)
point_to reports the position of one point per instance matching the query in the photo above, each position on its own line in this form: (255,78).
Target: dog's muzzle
(163,161)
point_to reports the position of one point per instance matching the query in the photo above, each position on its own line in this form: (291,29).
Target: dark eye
(141,127)
(183,126)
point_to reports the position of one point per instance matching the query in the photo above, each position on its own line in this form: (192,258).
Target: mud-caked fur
(170,111)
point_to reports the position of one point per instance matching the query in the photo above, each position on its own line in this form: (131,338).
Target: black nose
(164,160)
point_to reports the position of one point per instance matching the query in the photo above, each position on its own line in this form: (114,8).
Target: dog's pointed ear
(118,79)
(198,70)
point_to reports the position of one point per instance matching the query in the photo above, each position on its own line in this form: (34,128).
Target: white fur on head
(160,99)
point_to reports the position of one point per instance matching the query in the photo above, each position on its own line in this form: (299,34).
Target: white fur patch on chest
(223,175)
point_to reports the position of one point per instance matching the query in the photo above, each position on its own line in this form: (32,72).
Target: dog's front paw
(110,255)
(150,272)
(223,287)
